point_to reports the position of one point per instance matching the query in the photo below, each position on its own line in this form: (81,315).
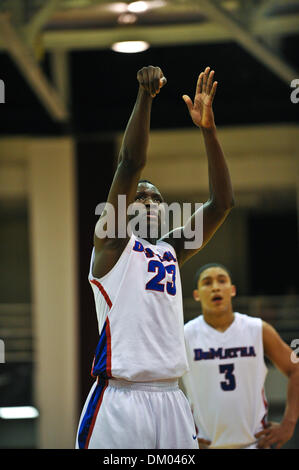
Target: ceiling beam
(245,38)
(61,73)
(23,58)
(192,33)
(40,19)
(261,12)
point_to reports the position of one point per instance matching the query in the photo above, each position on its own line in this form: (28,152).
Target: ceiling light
(133,7)
(127,18)
(117,7)
(130,46)
(137,7)
(18,412)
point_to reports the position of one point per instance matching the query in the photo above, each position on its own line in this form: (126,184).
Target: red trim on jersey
(95,415)
(92,366)
(108,336)
(107,329)
(264,420)
(103,292)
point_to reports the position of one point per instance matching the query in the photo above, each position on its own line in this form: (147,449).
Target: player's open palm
(201,110)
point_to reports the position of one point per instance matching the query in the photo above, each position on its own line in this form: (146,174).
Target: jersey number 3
(230,380)
(155,266)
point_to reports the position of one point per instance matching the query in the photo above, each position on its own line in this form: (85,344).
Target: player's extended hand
(200,110)
(203,443)
(275,434)
(151,79)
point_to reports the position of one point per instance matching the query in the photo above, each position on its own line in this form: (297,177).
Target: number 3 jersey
(225,384)
(140,315)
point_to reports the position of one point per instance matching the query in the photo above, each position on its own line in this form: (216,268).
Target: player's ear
(234,290)
(196,295)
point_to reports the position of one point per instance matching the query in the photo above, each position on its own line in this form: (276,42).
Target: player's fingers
(163,81)
(272,442)
(213,91)
(151,80)
(210,81)
(140,77)
(188,102)
(205,79)
(143,78)
(261,433)
(262,444)
(267,441)
(157,73)
(199,83)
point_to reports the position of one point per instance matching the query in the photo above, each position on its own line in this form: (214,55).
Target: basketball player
(135,401)
(225,383)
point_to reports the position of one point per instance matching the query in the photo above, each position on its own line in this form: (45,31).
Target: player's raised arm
(280,354)
(131,161)
(221,198)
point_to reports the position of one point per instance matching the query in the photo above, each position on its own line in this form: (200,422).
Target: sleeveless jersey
(140,315)
(225,384)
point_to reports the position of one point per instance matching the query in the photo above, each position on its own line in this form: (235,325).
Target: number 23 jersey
(225,384)
(140,315)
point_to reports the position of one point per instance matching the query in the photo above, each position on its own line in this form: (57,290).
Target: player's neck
(153,241)
(219,321)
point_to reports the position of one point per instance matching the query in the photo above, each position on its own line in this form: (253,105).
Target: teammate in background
(135,401)
(225,384)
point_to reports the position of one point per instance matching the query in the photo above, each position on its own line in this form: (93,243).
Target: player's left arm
(221,198)
(279,354)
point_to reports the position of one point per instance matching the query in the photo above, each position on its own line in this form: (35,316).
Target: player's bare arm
(221,198)
(131,161)
(279,353)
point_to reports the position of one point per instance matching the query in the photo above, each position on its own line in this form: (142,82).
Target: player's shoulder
(247,320)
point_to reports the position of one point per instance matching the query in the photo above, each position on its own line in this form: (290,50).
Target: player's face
(150,196)
(215,290)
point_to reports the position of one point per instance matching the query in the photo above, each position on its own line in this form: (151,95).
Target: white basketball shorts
(126,415)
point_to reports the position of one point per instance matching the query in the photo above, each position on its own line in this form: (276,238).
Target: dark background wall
(103,89)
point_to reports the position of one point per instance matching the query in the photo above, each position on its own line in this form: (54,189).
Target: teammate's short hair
(207,266)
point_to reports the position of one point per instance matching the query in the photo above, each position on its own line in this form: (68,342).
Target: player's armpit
(198,230)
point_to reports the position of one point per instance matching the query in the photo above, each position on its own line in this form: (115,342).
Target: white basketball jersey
(225,384)
(140,315)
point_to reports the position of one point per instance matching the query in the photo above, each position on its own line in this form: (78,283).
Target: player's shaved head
(146,181)
(147,187)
